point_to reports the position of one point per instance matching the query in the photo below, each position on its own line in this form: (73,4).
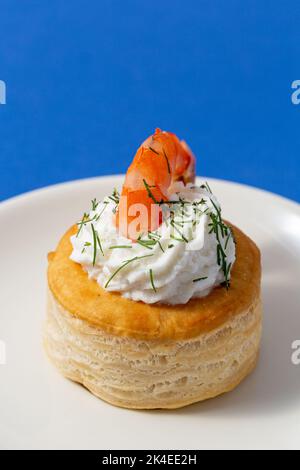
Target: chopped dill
(152,280)
(94,245)
(99,243)
(150,194)
(227,240)
(155,237)
(85,220)
(160,246)
(125,263)
(153,150)
(167,160)
(149,244)
(96,242)
(105,206)
(200,279)
(95,204)
(177,239)
(183,238)
(115,247)
(84,247)
(216,226)
(115,197)
(82,223)
(206,186)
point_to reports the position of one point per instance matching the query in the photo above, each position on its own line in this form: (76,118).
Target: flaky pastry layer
(151,374)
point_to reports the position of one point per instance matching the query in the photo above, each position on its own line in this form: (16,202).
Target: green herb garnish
(105,206)
(216,226)
(125,263)
(85,220)
(227,240)
(150,194)
(200,279)
(115,247)
(96,242)
(115,197)
(155,237)
(206,186)
(95,204)
(152,280)
(99,243)
(153,150)
(84,246)
(183,238)
(177,239)
(147,243)
(82,223)
(168,162)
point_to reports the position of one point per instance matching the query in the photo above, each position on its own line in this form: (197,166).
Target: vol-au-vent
(154,299)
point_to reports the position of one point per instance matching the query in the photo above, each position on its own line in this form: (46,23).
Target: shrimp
(160,161)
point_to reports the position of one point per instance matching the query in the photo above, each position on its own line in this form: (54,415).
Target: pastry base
(152,374)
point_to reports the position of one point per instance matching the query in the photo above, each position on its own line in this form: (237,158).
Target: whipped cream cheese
(192,251)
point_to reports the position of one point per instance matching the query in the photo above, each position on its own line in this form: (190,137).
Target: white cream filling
(177,264)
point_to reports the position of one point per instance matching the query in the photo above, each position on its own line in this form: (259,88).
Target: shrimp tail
(160,161)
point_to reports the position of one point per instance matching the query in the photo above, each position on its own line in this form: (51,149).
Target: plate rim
(23,197)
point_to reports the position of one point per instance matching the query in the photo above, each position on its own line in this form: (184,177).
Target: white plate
(41,409)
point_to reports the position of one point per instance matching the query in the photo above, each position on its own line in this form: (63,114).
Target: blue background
(87,81)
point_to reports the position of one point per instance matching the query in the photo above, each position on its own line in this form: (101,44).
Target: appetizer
(154,300)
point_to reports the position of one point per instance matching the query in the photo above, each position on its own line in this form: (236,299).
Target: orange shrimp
(159,162)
